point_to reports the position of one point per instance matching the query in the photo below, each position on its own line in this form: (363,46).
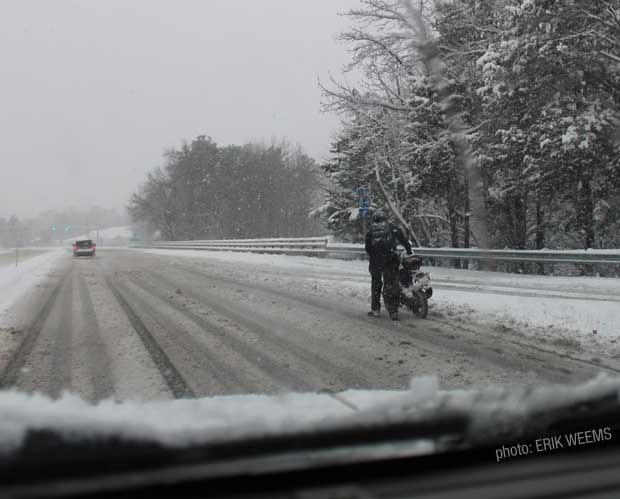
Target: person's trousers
(384,279)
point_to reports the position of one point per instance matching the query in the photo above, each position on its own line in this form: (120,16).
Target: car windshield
(285,213)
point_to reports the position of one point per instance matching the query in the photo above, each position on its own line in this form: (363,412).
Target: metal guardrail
(307,246)
(532,256)
(325,247)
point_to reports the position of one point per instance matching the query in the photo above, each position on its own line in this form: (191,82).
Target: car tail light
(75,247)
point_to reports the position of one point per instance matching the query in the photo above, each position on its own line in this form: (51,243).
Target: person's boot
(394,316)
(374,313)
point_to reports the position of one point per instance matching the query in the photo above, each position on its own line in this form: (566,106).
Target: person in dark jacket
(381,241)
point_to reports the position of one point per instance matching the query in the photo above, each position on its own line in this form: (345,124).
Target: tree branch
(395,210)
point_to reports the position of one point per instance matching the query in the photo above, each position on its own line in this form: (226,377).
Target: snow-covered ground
(549,307)
(16,281)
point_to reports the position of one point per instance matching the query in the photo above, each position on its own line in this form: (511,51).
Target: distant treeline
(55,225)
(205,191)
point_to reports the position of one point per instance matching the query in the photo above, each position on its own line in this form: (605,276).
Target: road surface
(134,325)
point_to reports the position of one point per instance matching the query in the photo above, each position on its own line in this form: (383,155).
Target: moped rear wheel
(419,304)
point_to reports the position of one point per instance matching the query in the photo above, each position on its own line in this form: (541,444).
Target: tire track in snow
(210,365)
(263,361)
(173,378)
(10,373)
(60,335)
(99,363)
(263,328)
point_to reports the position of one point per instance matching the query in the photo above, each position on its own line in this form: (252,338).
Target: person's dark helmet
(378,216)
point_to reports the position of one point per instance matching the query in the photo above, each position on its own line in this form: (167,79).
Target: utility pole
(17,243)
(13,229)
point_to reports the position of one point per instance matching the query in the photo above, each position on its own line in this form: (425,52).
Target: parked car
(84,247)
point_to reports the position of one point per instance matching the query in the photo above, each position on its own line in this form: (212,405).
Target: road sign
(363,199)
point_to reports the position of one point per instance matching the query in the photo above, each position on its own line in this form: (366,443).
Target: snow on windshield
(182,423)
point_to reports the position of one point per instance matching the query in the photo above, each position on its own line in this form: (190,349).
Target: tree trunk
(436,69)
(463,157)
(454,234)
(466,232)
(540,234)
(586,215)
(520,225)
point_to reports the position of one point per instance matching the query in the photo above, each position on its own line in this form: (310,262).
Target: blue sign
(363,199)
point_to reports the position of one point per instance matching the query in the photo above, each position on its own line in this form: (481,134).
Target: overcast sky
(92,92)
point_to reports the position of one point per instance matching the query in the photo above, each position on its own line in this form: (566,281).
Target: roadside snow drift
(16,281)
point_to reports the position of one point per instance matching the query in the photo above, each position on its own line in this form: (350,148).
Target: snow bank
(17,281)
(223,418)
(580,318)
(564,308)
(258,259)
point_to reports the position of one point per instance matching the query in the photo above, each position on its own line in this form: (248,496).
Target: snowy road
(151,325)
